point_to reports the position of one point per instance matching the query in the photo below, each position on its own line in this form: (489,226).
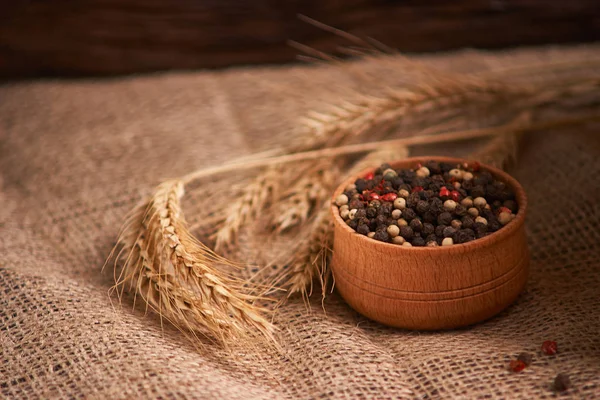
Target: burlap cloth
(75,156)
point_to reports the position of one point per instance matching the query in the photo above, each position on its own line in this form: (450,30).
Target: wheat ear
(177,276)
(260,192)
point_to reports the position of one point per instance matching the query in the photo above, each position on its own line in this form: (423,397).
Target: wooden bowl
(431,288)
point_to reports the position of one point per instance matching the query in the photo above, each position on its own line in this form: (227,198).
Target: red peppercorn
(455,195)
(417,189)
(389,197)
(373,196)
(504,209)
(369,176)
(475,166)
(550,347)
(517,365)
(444,192)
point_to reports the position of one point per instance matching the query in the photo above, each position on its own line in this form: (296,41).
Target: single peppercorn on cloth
(77,155)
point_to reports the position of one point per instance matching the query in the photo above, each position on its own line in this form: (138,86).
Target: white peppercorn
(398,240)
(456,173)
(400,203)
(403,193)
(467,176)
(481,220)
(402,222)
(370,235)
(352,213)
(423,172)
(393,231)
(479,202)
(344,214)
(467,202)
(406,244)
(504,217)
(396,214)
(447,241)
(450,205)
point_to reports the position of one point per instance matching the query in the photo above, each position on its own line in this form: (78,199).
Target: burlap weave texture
(76,156)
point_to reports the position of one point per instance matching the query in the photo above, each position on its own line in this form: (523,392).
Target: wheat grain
(177,276)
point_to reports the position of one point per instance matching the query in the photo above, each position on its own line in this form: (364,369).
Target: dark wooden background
(106,37)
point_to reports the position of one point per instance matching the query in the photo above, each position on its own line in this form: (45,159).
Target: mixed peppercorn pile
(432,204)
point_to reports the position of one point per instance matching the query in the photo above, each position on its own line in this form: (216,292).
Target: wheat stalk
(177,276)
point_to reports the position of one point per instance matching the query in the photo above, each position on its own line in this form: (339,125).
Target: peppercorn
(412,200)
(360,213)
(349,194)
(371,212)
(389,174)
(361,185)
(352,223)
(549,347)
(429,217)
(448,231)
(406,244)
(344,213)
(463,236)
(477,191)
(370,235)
(396,214)
(446,166)
(382,236)
(467,221)
(494,225)
(406,232)
(433,167)
(381,220)
(517,365)
(428,228)
(439,230)
(527,358)
(473,212)
(352,213)
(479,228)
(562,382)
(341,200)
(375,203)
(481,220)
(447,241)
(407,175)
(416,225)
(418,241)
(371,184)
(393,230)
(422,207)
(355,203)
(409,214)
(460,210)
(456,224)
(363,229)
(504,218)
(467,202)
(385,209)
(402,222)
(398,240)
(450,205)
(444,218)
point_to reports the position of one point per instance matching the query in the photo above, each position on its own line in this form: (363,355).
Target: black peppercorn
(386,209)
(406,232)
(460,210)
(355,203)
(396,182)
(467,185)
(416,225)
(467,221)
(562,382)
(361,185)
(479,228)
(422,182)
(447,166)
(478,191)
(434,167)
(362,213)
(375,203)
(371,212)
(439,230)
(352,223)
(382,236)
(430,238)
(429,217)
(444,218)
(448,231)
(371,184)
(381,220)
(413,199)
(363,221)
(409,214)
(428,228)
(493,225)
(418,241)
(463,236)
(363,229)
(422,207)
(436,206)
(407,175)
(427,194)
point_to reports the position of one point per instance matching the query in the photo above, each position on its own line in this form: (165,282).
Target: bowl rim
(499,235)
